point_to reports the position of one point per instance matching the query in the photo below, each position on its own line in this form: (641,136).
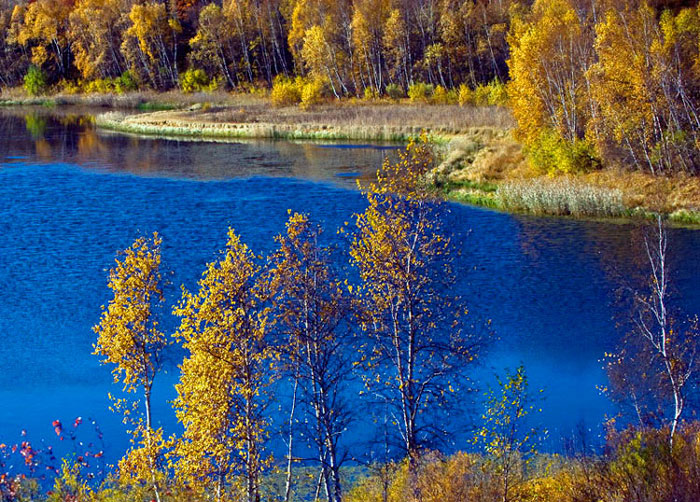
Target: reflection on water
(546,284)
(48,136)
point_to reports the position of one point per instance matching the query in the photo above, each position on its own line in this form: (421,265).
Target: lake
(70,196)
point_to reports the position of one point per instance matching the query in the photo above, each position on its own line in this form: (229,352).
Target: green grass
(154,106)
(475,199)
(685,217)
(482,186)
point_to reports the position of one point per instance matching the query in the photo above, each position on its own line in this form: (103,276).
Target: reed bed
(561,197)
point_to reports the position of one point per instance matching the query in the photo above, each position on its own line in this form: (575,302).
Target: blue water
(70,197)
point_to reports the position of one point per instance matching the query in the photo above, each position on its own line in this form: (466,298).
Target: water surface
(70,196)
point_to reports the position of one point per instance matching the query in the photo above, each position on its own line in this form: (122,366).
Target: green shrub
(420,91)
(552,154)
(465,96)
(35,81)
(394,91)
(194,80)
(126,83)
(312,93)
(285,91)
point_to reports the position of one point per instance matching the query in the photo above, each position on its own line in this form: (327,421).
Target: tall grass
(561,197)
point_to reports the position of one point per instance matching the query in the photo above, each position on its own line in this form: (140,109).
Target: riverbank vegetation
(293,348)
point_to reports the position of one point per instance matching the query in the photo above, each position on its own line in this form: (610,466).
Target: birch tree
(313,309)
(657,365)
(222,393)
(129,337)
(416,344)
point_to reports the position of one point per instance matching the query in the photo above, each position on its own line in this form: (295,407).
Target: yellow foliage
(285,91)
(225,375)
(128,333)
(312,93)
(466,95)
(130,339)
(548,60)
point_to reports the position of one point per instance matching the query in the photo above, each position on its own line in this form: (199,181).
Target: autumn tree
(396,48)
(129,337)
(550,53)
(221,395)
(241,41)
(474,36)
(416,342)
(320,41)
(369,20)
(312,308)
(150,45)
(96,31)
(14,58)
(212,45)
(657,364)
(45,31)
(647,86)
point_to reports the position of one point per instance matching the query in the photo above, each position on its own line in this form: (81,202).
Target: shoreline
(481,164)
(465,154)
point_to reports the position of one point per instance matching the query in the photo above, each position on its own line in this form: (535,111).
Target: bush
(420,91)
(394,91)
(35,81)
(481,95)
(465,95)
(312,93)
(194,80)
(498,95)
(126,83)
(370,93)
(68,87)
(285,91)
(552,154)
(100,86)
(441,96)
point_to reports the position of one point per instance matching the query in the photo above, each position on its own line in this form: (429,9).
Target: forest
(380,343)
(589,82)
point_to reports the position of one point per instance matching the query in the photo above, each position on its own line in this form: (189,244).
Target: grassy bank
(492,171)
